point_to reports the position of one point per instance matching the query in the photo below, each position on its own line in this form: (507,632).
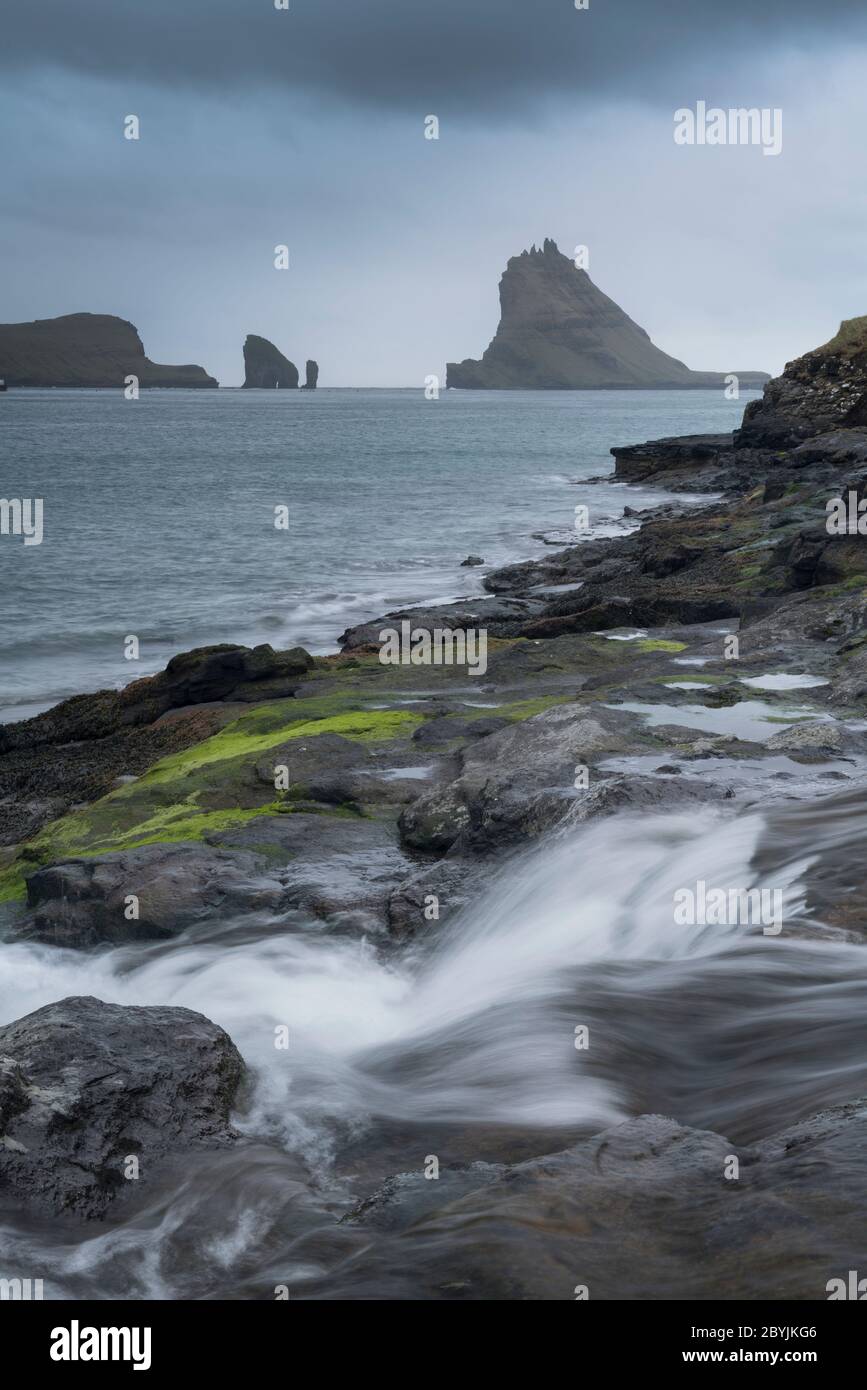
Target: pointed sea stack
(265,365)
(559,332)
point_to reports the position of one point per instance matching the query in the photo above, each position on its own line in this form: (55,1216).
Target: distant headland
(103,350)
(85,350)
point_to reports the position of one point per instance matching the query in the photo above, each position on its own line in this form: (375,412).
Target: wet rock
(325,866)
(836,449)
(630,793)
(815,558)
(643,1210)
(498,616)
(516,783)
(595,613)
(85,902)
(472,560)
(435,895)
(687,454)
(807,738)
(85,1086)
(436,819)
(850,685)
(442,730)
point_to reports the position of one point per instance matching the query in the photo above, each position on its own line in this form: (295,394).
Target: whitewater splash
(473,1023)
(715,1025)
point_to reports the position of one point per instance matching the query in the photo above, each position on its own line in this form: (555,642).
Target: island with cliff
(85,350)
(266,367)
(559,332)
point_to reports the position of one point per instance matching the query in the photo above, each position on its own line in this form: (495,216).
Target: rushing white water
(478,1005)
(717,1025)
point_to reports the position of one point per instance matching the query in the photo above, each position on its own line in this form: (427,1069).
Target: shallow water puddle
(775,774)
(782,681)
(752,720)
(408,774)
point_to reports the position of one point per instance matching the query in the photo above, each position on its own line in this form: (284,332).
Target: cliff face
(84,350)
(559,332)
(824,390)
(265,365)
(312,375)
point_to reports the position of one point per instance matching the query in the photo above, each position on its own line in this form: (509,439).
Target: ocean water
(159,514)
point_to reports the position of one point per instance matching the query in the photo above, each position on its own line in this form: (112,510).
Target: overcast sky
(306,127)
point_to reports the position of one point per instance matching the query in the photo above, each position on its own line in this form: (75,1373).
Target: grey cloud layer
(479,55)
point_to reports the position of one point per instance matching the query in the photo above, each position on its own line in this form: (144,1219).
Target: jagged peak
(549,247)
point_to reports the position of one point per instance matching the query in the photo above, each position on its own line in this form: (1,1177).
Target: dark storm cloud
(476,55)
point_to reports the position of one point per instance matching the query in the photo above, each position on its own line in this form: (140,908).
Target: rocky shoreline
(716,657)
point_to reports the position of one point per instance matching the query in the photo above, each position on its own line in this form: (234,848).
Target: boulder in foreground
(85,1086)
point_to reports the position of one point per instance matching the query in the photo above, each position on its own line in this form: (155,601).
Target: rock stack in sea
(265,365)
(558,331)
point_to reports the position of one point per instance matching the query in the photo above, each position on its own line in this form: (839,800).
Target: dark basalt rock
(825,390)
(559,332)
(642,1210)
(73,752)
(85,350)
(312,377)
(689,453)
(265,365)
(515,783)
(196,677)
(494,615)
(82,902)
(815,558)
(85,1085)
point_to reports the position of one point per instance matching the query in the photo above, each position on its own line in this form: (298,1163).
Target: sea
(186,518)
